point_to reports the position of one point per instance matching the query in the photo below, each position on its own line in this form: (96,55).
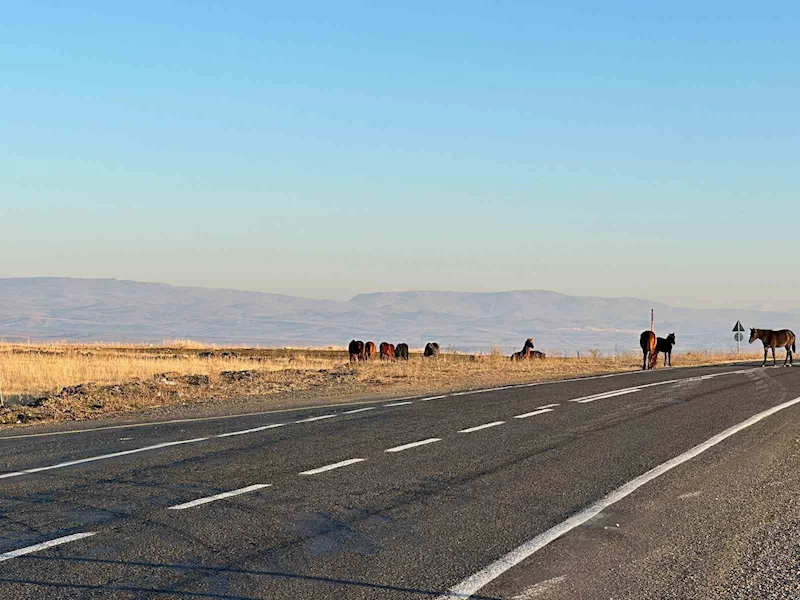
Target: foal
(665,345)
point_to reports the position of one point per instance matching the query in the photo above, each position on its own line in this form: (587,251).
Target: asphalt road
(540,491)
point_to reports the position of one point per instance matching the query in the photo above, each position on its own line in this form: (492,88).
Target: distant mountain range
(128,311)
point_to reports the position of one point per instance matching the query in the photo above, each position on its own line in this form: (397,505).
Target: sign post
(737,335)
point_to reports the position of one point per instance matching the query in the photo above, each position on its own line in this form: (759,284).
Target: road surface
(674,483)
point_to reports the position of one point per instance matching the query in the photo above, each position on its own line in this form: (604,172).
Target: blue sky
(326,149)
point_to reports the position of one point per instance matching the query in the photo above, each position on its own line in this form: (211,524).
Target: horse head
(753,335)
(671,339)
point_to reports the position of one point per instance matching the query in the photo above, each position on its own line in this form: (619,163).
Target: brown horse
(387,351)
(369,350)
(356,350)
(525,353)
(774,339)
(647,342)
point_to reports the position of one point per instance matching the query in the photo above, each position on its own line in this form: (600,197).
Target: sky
(325,149)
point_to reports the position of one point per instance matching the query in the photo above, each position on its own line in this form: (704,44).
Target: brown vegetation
(49,382)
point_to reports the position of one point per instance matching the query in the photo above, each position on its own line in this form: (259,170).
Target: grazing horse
(401,352)
(647,342)
(774,339)
(431,349)
(665,345)
(369,350)
(535,354)
(526,351)
(387,351)
(356,350)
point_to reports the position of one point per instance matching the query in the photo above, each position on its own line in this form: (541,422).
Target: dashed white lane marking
(432,398)
(253,430)
(358,410)
(397,404)
(413,445)
(207,499)
(344,463)
(45,545)
(472,584)
(547,406)
(606,395)
(541,411)
(101,457)
(540,588)
(312,419)
(484,426)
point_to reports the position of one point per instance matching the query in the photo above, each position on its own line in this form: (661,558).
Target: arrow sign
(738,326)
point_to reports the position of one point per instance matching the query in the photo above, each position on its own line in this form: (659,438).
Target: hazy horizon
(326,150)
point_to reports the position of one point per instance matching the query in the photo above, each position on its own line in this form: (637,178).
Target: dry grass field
(47,382)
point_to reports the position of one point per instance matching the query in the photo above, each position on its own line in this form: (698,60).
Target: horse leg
(774,363)
(644,360)
(764,364)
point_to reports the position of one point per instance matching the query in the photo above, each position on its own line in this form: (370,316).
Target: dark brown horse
(369,350)
(775,339)
(525,353)
(401,352)
(647,342)
(356,350)
(665,345)
(387,351)
(431,349)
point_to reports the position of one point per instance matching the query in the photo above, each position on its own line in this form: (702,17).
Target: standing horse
(356,350)
(647,342)
(386,351)
(774,339)
(665,345)
(369,350)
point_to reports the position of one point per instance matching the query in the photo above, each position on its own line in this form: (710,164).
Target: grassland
(58,382)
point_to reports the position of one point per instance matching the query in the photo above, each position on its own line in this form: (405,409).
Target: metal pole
(652,319)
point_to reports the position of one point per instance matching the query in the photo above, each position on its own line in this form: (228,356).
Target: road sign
(738,326)
(738,336)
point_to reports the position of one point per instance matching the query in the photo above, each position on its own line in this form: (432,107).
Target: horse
(431,349)
(369,350)
(525,353)
(401,352)
(356,350)
(665,345)
(535,354)
(387,351)
(647,342)
(773,339)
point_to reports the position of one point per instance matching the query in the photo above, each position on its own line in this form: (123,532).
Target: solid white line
(413,445)
(472,584)
(253,430)
(344,463)
(358,410)
(609,395)
(484,426)
(312,419)
(101,457)
(341,405)
(482,391)
(397,404)
(45,545)
(207,499)
(541,411)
